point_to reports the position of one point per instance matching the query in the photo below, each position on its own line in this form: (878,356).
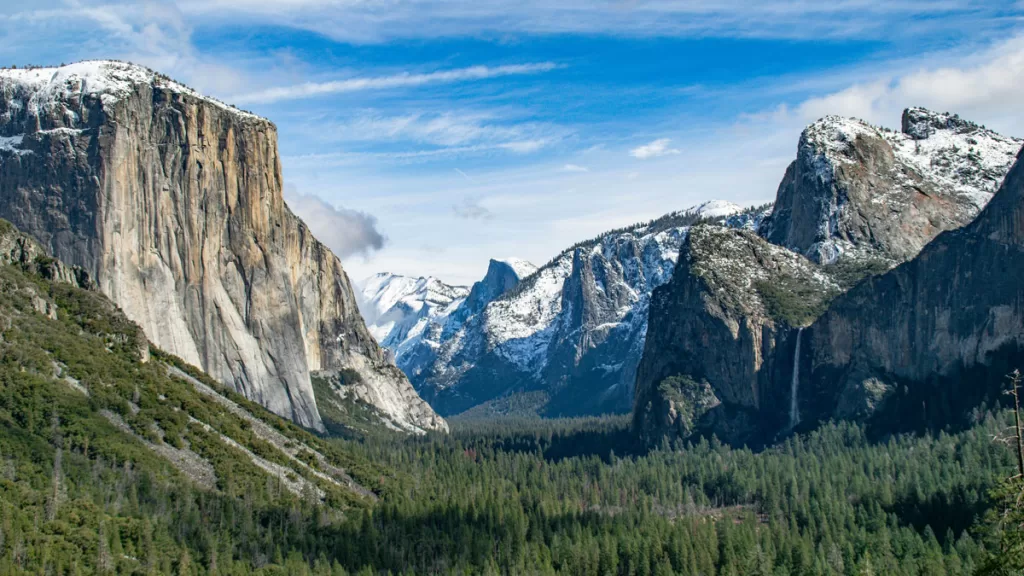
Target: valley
(191,384)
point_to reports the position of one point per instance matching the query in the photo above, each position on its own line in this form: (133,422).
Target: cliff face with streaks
(172,202)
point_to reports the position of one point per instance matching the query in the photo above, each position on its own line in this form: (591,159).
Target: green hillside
(119,458)
(116,458)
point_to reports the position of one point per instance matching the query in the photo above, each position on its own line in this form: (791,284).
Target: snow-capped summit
(414,317)
(857,190)
(716,209)
(520,267)
(392,305)
(108,80)
(502,275)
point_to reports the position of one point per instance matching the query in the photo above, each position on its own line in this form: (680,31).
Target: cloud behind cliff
(346,232)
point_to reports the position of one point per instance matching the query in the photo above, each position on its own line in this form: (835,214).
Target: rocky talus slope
(172,203)
(726,337)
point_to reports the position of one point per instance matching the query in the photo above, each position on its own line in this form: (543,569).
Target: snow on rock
(557,329)
(13,144)
(108,80)
(717,209)
(394,306)
(857,190)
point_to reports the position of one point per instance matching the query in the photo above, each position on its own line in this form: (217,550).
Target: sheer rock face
(857,200)
(172,203)
(713,325)
(856,190)
(501,276)
(923,343)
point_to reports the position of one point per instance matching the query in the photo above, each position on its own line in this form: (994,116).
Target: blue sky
(426,137)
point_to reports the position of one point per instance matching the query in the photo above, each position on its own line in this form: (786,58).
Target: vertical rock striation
(172,202)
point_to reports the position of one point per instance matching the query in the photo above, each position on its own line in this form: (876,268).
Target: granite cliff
(172,203)
(723,351)
(931,339)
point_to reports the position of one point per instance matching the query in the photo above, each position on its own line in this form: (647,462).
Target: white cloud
(401,80)
(653,150)
(444,129)
(984,87)
(346,232)
(575,168)
(437,135)
(155,34)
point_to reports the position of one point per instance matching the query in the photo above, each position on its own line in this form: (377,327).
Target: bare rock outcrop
(172,202)
(856,190)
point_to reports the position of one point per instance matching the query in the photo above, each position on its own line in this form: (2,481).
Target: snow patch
(109,80)
(13,144)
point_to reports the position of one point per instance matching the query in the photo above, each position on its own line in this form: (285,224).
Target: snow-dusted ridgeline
(849,176)
(574,329)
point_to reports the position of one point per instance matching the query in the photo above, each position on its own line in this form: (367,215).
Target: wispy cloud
(356,21)
(432,134)
(401,80)
(471,209)
(984,86)
(653,150)
(574,168)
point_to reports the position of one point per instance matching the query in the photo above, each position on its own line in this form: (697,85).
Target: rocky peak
(920,123)
(393,305)
(717,209)
(754,335)
(502,275)
(928,341)
(864,192)
(572,332)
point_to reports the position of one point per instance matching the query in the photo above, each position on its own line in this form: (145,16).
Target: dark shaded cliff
(928,341)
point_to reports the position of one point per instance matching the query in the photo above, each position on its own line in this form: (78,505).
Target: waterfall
(794,409)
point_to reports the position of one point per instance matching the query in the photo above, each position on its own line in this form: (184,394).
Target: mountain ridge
(724,355)
(549,331)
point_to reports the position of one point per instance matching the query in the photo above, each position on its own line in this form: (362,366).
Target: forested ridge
(86,486)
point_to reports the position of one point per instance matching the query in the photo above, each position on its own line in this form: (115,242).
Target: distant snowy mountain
(394,306)
(573,330)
